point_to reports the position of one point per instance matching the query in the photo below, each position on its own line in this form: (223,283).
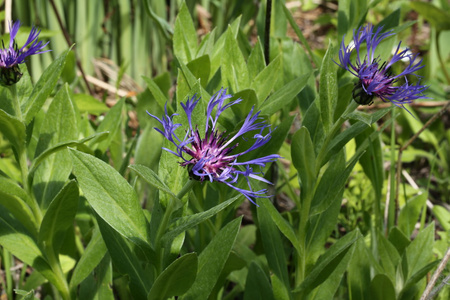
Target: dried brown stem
(427,293)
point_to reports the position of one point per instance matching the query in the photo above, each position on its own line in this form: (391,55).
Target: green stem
(336,127)
(23,160)
(391,216)
(15,102)
(53,261)
(7,264)
(165,222)
(219,215)
(301,260)
(306,201)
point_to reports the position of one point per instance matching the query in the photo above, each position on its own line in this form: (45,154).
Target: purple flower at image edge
(12,56)
(376,78)
(211,157)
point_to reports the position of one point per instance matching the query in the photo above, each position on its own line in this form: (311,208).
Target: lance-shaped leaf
(12,129)
(188,222)
(43,87)
(328,91)
(304,160)
(212,260)
(328,262)
(110,195)
(91,257)
(60,125)
(176,279)
(59,216)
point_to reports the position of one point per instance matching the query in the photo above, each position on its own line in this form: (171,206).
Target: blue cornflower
(375,79)
(210,158)
(12,56)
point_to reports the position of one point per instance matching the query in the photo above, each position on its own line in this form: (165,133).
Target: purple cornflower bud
(211,157)
(12,56)
(376,78)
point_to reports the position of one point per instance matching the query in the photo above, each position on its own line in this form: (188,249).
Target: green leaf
(381,288)
(328,262)
(334,179)
(328,91)
(359,272)
(284,96)
(255,62)
(233,67)
(398,239)
(93,254)
(420,251)
(257,285)
(409,213)
(190,221)
(185,36)
(111,123)
(212,260)
(89,104)
(103,280)
(282,224)
(176,279)
(59,216)
(219,46)
(361,116)
(26,295)
(304,160)
(110,195)
(160,98)
(328,288)
(62,146)
(443,216)
(264,82)
(354,130)
(15,200)
(43,87)
(193,86)
(313,122)
(274,251)
(438,18)
(165,27)
(388,256)
(417,276)
(249,100)
(200,68)
(12,129)
(24,86)
(207,44)
(16,239)
(321,226)
(372,161)
(123,255)
(152,178)
(60,125)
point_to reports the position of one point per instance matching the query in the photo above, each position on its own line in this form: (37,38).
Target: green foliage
(92,205)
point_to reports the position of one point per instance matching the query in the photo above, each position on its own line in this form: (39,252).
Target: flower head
(12,56)
(211,157)
(376,78)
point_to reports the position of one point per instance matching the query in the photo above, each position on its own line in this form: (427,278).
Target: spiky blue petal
(211,158)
